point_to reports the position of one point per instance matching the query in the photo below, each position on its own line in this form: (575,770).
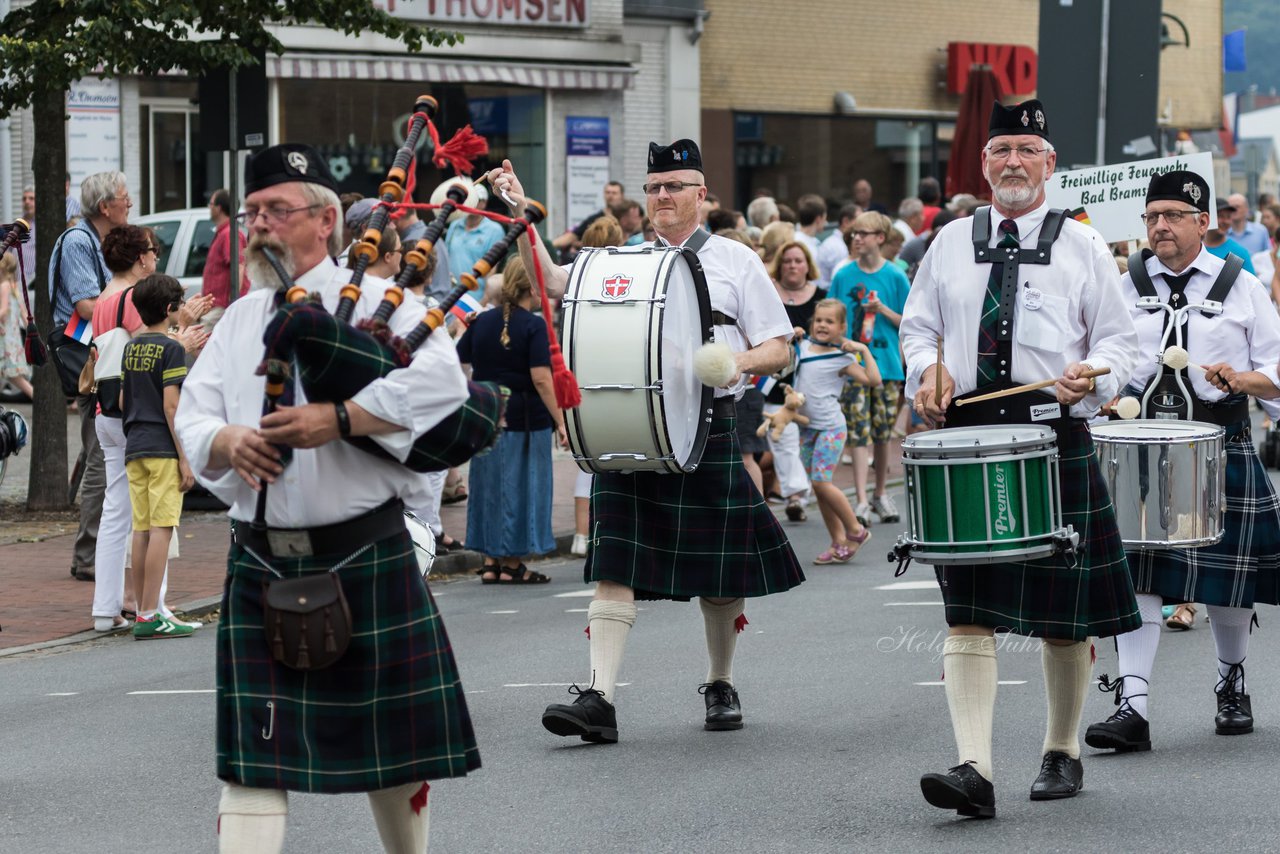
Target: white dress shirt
(830,253)
(1246,335)
(336,481)
(1070,310)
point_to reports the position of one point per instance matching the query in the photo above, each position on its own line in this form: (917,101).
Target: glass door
(174,176)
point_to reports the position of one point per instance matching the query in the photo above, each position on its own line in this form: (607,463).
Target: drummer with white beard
(707,534)
(1239,349)
(1056,313)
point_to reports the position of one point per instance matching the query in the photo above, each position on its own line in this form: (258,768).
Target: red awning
(432,70)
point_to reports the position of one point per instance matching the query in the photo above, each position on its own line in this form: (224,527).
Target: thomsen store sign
(1014,66)
(506,13)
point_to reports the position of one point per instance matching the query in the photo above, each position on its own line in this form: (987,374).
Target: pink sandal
(829,556)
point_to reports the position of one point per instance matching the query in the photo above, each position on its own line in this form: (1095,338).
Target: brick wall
(646,107)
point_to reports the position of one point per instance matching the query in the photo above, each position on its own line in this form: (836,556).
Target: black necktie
(988,326)
(1177,287)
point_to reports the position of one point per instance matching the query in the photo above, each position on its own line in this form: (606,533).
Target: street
(109,744)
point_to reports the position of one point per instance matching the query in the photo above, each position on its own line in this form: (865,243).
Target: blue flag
(1233,51)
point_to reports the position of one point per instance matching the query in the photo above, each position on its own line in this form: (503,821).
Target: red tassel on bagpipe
(460,151)
(568,395)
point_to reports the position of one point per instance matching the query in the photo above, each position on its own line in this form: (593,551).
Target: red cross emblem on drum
(616,287)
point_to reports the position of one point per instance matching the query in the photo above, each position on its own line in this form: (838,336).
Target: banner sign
(505,13)
(93,129)
(1111,198)
(586,164)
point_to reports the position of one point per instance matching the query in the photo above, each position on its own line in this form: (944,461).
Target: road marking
(576,610)
(63,694)
(502,612)
(891,604)
(1001,682)
(576,594)
(909,585)
(550,684)
(191,691)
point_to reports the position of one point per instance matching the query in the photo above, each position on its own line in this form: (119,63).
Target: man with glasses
(1239,347)
(650,530)
(77,274)
(390,713)
(1034,298)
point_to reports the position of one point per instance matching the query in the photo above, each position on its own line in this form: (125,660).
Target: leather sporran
(307,620)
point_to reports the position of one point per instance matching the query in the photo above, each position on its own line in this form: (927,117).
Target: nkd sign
(1014,66)
(506,13)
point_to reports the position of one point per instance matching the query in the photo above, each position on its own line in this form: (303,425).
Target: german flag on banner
(1080,215)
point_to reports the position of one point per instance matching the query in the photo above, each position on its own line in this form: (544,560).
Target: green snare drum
(983,495)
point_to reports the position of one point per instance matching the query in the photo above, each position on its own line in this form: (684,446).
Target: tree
(49,44)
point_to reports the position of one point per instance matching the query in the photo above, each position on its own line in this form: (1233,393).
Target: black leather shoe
(1124,732)
(961,789)
(1235,713)
(723,709)
(1060,777)
(591,717)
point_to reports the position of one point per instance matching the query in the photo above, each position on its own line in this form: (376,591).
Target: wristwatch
(344,420)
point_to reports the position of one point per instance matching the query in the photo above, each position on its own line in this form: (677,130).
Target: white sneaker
(846,459)
(884,507)
(109,624)
(579,546)
(863,512)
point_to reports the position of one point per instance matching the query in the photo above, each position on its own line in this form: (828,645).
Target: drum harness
(694,244)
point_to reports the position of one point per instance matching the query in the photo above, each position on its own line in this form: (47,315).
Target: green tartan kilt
(709,533)
(391,711)
(1047,598)
(1244,566)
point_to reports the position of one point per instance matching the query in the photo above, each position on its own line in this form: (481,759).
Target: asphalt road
(844,709)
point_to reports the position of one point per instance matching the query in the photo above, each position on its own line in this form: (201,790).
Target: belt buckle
(285,543)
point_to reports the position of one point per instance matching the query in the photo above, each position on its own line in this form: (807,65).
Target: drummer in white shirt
(1239,349)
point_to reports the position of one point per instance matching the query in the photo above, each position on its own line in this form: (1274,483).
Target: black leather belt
(719,318)
(724,407)
(338,538)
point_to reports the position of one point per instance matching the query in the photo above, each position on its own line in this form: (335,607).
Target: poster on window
(93,129)
(586,165)
(1112,198)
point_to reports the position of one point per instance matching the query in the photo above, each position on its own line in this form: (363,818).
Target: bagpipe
(11,236)
(334,359)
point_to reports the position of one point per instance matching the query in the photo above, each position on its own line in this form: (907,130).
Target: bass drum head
(686,324)
(424,543)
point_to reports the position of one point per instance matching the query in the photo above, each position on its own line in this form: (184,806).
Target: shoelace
(579,691)
(1116,685)
(1056,763)
(1228,693)
(719,696)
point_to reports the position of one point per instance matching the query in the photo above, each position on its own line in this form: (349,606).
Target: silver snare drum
(1167,481)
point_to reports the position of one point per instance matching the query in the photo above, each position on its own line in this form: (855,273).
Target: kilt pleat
(1047,597)
(709,533)
(1244,566)
(391,711)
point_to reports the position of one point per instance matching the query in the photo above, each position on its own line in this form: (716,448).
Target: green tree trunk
(47,488)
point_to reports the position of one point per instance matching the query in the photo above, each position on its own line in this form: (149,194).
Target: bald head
(1240,215)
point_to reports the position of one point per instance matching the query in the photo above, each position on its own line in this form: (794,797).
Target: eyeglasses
(1025,152)
(672,187)
(857,233)
(155,249)
(1171,217)
(275,214)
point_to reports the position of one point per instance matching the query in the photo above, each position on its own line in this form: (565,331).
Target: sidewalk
(41,603)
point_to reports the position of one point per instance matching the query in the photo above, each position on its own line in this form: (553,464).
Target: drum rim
(917,443)
(1195,431)
(706,398)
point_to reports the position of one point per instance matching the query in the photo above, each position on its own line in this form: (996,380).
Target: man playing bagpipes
(350,685)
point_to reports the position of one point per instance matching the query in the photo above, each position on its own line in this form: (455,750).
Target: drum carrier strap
(1231,409)
(694,244)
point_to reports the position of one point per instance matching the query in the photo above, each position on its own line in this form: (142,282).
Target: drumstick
(937,377)
(1028,387)
(1177,358)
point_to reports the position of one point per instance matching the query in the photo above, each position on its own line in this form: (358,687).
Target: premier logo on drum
(1005,522)
(616,287)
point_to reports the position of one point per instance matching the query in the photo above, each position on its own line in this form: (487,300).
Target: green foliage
(49,44)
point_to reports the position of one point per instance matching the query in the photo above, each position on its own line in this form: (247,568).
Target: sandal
(485,570)
(452,545)
(454,494)
(1184,617)
(829,556)
(795,510)
(852,545)
(521,575)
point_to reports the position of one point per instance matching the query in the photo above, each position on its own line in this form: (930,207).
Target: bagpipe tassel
(568,395)
(460,151)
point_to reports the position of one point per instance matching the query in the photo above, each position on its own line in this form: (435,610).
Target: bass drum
(633,319)
(424,543)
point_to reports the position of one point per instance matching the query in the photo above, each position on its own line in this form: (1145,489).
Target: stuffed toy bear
(776,422)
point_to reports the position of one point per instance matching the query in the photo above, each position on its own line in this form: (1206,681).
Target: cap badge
(298,161)
(1026,120)
(1040,119)
(1192,191)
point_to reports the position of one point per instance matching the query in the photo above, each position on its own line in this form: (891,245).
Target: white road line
(1001,682)
(576,594)
(892,604)
(576,610)
(549,684)
(909,585)
(192,691)
(502,612)
(63,694)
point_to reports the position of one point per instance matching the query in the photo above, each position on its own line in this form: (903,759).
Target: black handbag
(69,355)
(307,620)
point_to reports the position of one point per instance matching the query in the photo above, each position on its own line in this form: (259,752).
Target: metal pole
(233,229)
(1102,84)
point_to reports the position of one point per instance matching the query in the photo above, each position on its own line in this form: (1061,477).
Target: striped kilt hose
(1244,567)
(1047,598)
(709,533)
(391,711)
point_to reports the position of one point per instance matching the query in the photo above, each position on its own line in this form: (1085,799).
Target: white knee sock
(970,668)
(1066,680)
(251,820)
(1137,653)
(609,622)
(1230,627)
(720,622)
(402,814)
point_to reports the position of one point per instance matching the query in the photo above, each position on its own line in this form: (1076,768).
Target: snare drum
(1167,481)
(424,542)
(633,319)
(983,495)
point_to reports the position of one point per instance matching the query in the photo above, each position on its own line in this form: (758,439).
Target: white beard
(263,276)
(1014,197)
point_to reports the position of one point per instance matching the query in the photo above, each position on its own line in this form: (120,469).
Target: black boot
(591,717)
(1235,713)
(724,711)
(1060,777)
(961,789)
(1126,731)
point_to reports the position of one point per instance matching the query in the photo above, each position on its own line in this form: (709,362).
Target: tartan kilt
(391,711)
(1046,598)
(1244,566)
(709,533)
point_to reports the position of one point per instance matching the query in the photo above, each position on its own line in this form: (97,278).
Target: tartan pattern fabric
(1046,598)
(391,711)
(334,361)
(1244,567)
(988,356)
(709,533)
